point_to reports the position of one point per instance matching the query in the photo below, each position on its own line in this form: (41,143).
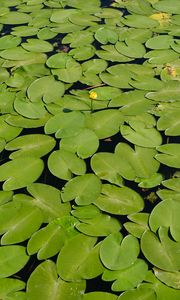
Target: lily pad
(20,172)
(13,259)
(63,164)
(117,253)
(84,189)
(119,200)
(169,155)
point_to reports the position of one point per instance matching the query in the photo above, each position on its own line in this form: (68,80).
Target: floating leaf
(12,259)
(63,164)
(18,222)
(36,45)
(127,278)
(169,278)
(162,252)
(142,292)
(99,296)
(85,143)
(138,225)
(28,109)
(170,92)
(20,172)
(73,255)
(9,41)
(109,52)
(105,123)
(139,135)
(159,42)
(44,283)
(166,213)
(117,253)
(131,48)
(39,89)
(8,132)
(65,124)
(84,189)
(119,200)
(106,35)
(100,225)
(170,122)
(166,6)
(15,18)
(169,155)
(48,241)
(105,167)
(32,145)
(9,287)
(51,207)
(161,56)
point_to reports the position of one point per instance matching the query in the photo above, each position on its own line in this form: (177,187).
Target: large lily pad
(20,172)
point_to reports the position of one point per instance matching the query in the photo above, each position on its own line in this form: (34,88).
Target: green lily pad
(10,286)
(159,42)
(119,200)
(84,189)
(166,213)
(131,48)
(106,35)
(28,109)
(17,121)
(82,52)
(44,283)
(8,132)
(105,167)
(138,224)
(73,255)
(36,45)
(170,92)
(63,164)
(78,38)
(47,241)
(132,102)
(36,145)
(169,278)
(142,292)
(65,124)
(110,53)
(98,225)
(162,252)
(169,155)
(9,41)
(99,296)
(15,18)
(139,135)
(139,21)
(117,253)
(18,222)
(166,6)
(39,89)
(20,172)
(105,123)
(51,207)
(161,56)
(13,259)
(127,278)
(170,123)
(85,143)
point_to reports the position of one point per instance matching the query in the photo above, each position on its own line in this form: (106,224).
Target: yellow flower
(93,95)
(161,17)
(171,71)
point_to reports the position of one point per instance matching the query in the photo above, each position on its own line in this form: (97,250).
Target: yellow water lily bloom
(93,95)
(161,17)
(171,71)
